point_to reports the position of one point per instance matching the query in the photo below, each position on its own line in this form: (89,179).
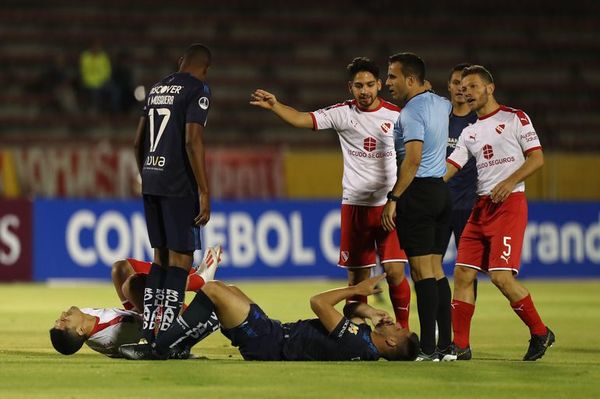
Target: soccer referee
(419,205)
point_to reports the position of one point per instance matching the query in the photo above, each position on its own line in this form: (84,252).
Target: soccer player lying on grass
(332,336)
(104,330)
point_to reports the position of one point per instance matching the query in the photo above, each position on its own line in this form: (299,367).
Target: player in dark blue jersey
(463,186)
(332,336)
(169,151)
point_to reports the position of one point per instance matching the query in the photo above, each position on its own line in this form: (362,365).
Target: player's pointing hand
(262,98)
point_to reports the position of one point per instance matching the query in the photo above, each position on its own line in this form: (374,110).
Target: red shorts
(493,237)
(362,237)
(139,266)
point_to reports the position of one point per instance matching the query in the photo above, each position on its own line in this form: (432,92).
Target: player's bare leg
(231,305)
(239,292)
(464,278)
(399,290)
(508,285)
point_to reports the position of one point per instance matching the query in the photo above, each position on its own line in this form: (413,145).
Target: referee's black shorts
(423,215)
(170,222)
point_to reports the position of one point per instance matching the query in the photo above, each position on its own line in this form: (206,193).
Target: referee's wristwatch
(392,197)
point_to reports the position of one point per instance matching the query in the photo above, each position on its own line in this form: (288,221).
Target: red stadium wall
(104,169)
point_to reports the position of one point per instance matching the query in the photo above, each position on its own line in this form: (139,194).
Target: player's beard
(479,103)
(365,102)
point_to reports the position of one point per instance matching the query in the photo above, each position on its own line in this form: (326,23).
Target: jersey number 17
(155,137)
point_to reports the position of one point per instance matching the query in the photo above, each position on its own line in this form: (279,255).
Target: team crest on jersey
(345,255)
(353,329)
(488,151)
(369,144)
(500,128)
(203,102)
(385,127)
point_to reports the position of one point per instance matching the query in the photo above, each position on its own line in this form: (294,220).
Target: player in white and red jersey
(105,329)
(365,129)
(506,150)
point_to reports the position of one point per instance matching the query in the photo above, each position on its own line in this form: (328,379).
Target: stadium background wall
(106,169)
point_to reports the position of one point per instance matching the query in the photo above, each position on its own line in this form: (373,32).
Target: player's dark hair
(458,68)
(197,54)
(483,73)
(362,64)
(407,352)
(411,65)
(66,342)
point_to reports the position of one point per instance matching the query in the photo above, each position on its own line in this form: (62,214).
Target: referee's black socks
(427,305)
(444,313)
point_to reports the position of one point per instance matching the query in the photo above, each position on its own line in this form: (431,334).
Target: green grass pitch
(29,367)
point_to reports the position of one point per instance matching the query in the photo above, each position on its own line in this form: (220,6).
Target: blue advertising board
(81,239)
(271,239)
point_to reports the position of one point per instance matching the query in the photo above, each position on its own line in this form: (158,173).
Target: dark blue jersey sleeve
(197,110)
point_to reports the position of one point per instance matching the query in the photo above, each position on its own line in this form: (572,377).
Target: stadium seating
(545,57)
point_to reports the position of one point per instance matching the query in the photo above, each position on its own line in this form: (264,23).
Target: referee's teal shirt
(425,118)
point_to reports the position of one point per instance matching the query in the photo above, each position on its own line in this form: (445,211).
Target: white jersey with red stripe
(367,141)
(499,142)
(114,327)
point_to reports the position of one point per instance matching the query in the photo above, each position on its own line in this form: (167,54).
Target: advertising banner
(277,239)
(81,239)
(15,240)
(106,169)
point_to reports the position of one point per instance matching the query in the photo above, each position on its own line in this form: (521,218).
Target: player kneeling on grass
(104,330)
(332,336)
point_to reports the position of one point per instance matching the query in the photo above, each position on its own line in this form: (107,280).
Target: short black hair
(412,65)
(458,68)
(197,54)
(362,64)
(413,348)
(406,352)
(483,73)
(66,342)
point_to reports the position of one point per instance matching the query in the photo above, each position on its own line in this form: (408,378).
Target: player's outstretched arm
(264,99)
(323,304)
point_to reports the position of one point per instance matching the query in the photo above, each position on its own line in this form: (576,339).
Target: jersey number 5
(506,254)
(155,138)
